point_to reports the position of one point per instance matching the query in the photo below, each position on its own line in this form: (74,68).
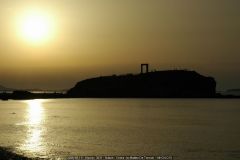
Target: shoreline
(32,98)
(25,95)
(8,154)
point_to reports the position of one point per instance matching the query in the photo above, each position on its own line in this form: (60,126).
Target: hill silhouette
(172,83)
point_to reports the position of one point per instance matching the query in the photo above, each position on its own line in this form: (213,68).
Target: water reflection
(35,116)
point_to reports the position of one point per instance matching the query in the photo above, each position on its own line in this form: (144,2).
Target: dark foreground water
(187,129)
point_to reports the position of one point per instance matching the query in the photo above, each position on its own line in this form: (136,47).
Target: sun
(35,26)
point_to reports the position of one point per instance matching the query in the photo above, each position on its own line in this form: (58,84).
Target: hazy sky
(103,37)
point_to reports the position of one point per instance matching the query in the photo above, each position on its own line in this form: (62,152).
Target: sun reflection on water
(35,112)
(35,115)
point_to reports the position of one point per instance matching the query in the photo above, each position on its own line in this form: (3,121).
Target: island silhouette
(172,83)
(156,84)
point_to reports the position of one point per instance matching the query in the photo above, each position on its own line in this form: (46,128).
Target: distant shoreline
(24,95)
(157,84)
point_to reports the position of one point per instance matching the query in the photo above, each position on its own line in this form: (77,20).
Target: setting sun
(119,79)
(35,26)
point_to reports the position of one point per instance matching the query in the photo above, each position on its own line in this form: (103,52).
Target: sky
(79,39)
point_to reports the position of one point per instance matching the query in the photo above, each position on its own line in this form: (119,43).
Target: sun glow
(35,26)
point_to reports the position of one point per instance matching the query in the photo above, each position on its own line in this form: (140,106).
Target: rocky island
(172,83)
(157,84)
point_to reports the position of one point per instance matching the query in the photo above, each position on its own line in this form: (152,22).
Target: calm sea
(187,129)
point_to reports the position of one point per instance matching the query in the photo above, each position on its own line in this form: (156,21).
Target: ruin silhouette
(146,68)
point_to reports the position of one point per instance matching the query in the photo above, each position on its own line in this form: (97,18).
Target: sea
(179,129)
